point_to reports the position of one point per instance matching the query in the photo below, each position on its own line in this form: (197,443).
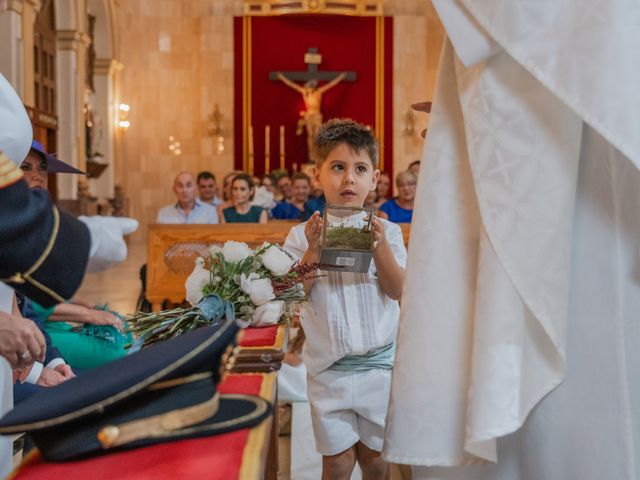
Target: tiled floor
(119,286)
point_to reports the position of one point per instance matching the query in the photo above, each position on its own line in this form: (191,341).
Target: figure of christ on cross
(311,118)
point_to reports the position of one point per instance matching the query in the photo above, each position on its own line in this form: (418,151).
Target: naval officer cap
(164,392)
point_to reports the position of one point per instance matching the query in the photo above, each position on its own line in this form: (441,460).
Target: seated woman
(86,337)
(226,192)
(383,189)
(400,209)
(268,183)
(242,191)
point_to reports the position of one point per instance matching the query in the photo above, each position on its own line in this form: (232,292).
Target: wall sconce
(174,146)
(409,123)
(215,129)
(123,116)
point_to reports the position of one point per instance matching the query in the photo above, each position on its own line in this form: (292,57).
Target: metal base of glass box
(346,260)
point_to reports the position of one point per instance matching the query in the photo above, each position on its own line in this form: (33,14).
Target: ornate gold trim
(160,425)
(9,172)
(361,8)
(20,278)
(255,450)
(379,119)
(246,91)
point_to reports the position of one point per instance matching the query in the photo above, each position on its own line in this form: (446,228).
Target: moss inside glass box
(348,238)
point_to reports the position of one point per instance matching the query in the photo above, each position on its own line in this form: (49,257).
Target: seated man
(298,206)
(283,187)
(188,208)
(208,189)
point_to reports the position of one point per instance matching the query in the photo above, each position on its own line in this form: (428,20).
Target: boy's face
(347,177)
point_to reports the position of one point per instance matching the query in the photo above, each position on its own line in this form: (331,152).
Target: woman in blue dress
(400,209)
(242,191)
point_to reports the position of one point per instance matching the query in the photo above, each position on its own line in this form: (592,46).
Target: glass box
(347,239)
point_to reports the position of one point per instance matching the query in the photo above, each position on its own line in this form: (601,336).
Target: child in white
(351,319)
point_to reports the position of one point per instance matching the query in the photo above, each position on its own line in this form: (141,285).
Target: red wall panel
(279,44)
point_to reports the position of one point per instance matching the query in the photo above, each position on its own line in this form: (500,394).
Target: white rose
(215,249)
(245,281)
(235,252)
(267,314)
(276,260)
(261,291)
(196,281)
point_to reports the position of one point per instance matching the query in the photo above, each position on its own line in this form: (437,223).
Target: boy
(351,318)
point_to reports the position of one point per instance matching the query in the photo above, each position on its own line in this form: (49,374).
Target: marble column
(70,78)
(16,38)
(105,113)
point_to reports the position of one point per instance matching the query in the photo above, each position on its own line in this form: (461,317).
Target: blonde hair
(406,175)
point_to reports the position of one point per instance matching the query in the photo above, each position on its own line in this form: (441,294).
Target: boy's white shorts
(347,407)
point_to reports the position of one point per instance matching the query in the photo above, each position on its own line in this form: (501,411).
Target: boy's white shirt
(348,314)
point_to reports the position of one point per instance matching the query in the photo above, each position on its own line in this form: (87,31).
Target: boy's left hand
(378,233)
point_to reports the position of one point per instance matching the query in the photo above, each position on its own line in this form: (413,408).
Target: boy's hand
(313,232)
(378,233)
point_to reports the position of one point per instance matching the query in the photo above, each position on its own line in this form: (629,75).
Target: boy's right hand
(313,232)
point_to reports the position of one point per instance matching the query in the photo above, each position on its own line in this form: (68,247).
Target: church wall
(178,63)
(418,36)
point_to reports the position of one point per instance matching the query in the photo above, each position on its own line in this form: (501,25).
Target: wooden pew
(173,249)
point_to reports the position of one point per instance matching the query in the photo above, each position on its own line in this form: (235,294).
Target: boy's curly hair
(356,136)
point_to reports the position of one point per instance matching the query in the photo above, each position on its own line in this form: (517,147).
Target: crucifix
(311,118)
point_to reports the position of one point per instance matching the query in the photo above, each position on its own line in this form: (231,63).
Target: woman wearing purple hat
(39,164)
(102,337)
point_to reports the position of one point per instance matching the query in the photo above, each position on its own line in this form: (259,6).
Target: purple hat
(54,165)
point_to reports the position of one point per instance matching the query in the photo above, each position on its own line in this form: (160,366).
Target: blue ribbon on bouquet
(212,307)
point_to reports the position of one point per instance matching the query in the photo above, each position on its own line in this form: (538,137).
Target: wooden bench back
(173,249)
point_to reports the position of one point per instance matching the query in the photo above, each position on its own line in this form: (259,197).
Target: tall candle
(281,147)
(267,149)
(250,149)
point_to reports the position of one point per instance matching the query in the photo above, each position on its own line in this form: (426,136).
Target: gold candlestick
(281,147)
(267,149)
(251,149)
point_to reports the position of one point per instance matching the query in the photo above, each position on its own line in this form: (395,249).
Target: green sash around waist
(379,358)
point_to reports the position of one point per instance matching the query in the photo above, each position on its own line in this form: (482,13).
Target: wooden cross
(312,58)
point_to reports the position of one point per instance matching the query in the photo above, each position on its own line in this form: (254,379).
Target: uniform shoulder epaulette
(9,172)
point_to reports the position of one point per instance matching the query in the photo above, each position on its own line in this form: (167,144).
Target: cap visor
(55,165)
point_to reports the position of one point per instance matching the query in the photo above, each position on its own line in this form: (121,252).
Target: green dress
(87,346)
(252,216)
